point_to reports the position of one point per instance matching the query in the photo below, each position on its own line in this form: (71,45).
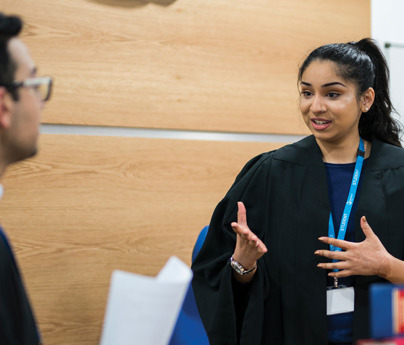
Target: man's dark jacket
(17,323)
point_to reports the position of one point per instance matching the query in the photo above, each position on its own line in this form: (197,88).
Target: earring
(366,108)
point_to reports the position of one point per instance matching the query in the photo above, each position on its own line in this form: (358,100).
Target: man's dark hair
(10,26)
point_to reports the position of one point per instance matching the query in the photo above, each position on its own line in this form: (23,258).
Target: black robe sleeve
(17,323)
(212,281)
(285,194)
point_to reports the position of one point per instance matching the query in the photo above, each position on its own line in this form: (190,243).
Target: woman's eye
(306,93)
(332,94)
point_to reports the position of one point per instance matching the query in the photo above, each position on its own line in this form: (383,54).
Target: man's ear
(6,106)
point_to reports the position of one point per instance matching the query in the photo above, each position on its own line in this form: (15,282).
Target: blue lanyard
(351,198)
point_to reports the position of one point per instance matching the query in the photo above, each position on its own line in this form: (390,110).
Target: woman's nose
(317,105)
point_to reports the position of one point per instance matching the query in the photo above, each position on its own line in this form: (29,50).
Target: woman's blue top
(339,177)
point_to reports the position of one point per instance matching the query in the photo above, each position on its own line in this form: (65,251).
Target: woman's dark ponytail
(378,121)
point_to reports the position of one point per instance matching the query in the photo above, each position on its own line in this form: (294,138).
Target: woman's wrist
(239,268)
(243,274)
(393,270)
(385,267)
(246,263)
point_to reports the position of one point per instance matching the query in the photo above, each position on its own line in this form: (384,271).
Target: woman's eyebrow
(325,85)
(333,83)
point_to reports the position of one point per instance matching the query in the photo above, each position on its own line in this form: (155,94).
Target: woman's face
(329,104)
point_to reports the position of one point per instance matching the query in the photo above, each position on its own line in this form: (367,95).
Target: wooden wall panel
(206,65)
(87,205)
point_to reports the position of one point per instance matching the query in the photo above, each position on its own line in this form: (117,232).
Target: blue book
(386,310)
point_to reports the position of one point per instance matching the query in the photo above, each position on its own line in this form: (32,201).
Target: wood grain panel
(206,65)
(87,205)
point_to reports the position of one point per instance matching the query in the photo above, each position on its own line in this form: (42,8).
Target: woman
(265,280)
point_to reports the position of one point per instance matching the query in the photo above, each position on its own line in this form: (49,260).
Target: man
(22,97)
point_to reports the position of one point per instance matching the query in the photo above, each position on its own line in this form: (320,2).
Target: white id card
(340,300)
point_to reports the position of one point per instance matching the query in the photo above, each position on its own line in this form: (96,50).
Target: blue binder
(385,319)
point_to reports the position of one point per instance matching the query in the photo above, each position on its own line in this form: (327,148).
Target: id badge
(340,300)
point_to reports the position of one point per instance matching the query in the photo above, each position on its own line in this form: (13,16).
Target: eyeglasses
(42,85)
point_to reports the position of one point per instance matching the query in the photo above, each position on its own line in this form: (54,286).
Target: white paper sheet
(143,310)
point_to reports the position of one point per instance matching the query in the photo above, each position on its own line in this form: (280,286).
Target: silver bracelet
(239,267)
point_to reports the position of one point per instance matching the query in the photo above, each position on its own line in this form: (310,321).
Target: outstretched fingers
(249,238)
(367,230)
(340,274)
(344,245)
(243,231)
(241,214)
(368,257)
(334,255)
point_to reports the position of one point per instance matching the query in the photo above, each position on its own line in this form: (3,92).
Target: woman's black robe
(286,196)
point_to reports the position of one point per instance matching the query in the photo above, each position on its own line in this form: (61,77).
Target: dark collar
(306,152)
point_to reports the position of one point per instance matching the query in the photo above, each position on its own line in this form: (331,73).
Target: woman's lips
(320,124)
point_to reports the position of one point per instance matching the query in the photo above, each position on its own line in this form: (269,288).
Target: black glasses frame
(33,83)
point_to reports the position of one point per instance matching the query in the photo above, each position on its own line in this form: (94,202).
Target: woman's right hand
(249,248)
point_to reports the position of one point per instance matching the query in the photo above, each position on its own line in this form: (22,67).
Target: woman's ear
(6,105)
(367,100)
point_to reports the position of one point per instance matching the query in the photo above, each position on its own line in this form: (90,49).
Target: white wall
(388,20)
(388,26)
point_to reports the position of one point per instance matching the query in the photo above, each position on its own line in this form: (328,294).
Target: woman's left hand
(365,258)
